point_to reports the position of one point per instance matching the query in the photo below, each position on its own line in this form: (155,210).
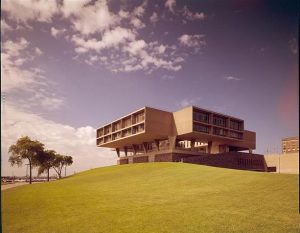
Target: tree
(68,162)
(60,162)
(25,148)
(46,161)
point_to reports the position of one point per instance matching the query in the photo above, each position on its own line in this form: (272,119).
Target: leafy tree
(68,161)
(25,148)
(46,161)
(60,162)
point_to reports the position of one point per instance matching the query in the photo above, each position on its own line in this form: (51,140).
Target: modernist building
(191,134)
(290,145)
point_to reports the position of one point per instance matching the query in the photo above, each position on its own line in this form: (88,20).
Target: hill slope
(155,197)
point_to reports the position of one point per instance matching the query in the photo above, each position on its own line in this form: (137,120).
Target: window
(220,121)
(138,117)
(201,128)
(126,122)
(237,125)
(107,129)
(201,116)
(219,131)
(99,132)
(235,135)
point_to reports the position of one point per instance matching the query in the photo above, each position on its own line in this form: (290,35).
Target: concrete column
(193,143)
(118,152)
(145,144)
(209,146)
(172,141)
(134,149)
(157,144)
(125,150)
(227,148)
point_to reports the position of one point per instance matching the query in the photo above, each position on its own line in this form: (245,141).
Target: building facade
(290,145)
(191,134)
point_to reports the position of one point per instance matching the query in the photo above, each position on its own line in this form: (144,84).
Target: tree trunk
(48,174)
(30,173)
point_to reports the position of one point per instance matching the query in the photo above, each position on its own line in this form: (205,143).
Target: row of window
(136,118)
(217,131)
(217,120)
(124,133)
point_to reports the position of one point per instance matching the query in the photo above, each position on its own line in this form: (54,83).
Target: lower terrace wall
(233,160)
(284,163)
(141,159)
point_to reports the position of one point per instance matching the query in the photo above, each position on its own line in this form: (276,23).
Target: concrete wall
(284,163)
(183,121)
(159,122)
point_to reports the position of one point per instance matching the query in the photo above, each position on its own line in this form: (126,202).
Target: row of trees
(37,156)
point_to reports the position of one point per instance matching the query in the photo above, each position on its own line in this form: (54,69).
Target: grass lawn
(155,197)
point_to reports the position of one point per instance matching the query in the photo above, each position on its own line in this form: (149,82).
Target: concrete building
(191,134)
(290,145)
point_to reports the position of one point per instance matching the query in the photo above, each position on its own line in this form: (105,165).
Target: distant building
(290,145)
(191,134)
(288,160)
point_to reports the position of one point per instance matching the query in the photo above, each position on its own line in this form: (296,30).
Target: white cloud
(189,102)
(5,27)
(192,40)
(161,49)
(27,10)
(170,4)
(89,19)
(137,23)
(110,38)
(192,16)
(140,10)
(56,32)
(72,8)
(25,80)
(230,78)
(80,143)
(13,48)
(38,51)
(136,46)
(124,14)
(154,17)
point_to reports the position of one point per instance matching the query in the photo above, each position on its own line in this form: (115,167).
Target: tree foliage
(37,156)
(25,148)
(60,162)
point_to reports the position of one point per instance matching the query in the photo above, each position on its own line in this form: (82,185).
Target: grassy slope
(155,197)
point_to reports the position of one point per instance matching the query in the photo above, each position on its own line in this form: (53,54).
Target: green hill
(155,197)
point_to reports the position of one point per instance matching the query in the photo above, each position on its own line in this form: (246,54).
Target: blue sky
(69,67)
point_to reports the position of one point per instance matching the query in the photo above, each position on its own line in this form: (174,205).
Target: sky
(70,66)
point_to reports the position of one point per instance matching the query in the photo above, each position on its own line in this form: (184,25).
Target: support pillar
(250,151)
(209,146)
(118,152)
(145,144)
(125,150)
(156,144)
(193,143)
(172,141)
(134,149)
